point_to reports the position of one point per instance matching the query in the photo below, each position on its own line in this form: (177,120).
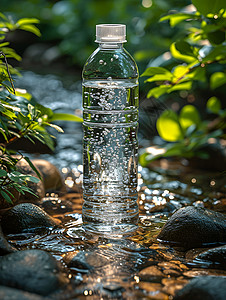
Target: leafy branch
(203,45)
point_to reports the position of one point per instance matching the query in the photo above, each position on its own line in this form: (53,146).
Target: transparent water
(110,155)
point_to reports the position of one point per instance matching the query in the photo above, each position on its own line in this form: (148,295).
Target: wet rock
(7,293)
(51,175)
(191,227)
(85,260)
(37,188)
(35,271)
(5,247)
(205,287)
(26,217)
(152,271)
(215,256)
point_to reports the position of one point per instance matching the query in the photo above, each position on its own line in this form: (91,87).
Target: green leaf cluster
(20,115)
(186,132)
(202,45)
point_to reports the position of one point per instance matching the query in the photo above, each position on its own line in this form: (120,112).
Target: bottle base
(113,231)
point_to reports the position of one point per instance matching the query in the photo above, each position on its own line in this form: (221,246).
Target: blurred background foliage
(68,26)
(164,34)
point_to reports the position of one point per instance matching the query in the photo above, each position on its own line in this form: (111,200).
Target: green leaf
(31,178)
(209,6)
(159,77)
(24,21)
(32,166)
(31,110)
(180,86)
(6,197)
(156,71)
(186,49)
(168,126)
(31,28)
(179,17)
(158,91)
(64,117)
(179,72)
(189,116)
(213,105)
(176,54)
(216,37)
(217,79)
(3,173)
(58,128)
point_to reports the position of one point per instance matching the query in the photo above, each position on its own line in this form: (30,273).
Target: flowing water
(127,267)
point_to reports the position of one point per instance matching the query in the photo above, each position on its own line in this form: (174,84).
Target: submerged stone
(204,287)
(26,217)
(191,227)
(35,271)
(215,256)
(86,260)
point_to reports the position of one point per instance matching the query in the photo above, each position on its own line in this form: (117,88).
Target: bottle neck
(111,46)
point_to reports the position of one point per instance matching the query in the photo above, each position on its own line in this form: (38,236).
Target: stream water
(126,267)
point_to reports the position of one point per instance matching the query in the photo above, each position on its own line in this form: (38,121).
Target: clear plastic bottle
(110,147)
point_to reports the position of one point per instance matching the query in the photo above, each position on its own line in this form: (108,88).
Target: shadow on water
(132,267)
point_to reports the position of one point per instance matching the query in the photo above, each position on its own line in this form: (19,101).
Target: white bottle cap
(110,33)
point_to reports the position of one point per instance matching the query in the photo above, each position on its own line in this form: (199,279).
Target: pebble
(204,287)
(192,227)
(26,217)
(34,271)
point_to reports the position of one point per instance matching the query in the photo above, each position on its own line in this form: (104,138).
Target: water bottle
(110,147)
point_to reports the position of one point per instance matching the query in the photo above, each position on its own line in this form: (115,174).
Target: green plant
(202,46)
(20,116)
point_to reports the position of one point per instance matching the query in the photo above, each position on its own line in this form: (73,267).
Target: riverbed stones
(192,227)
(86,260)
(51,175)
(7,293)
(215,256)
(204,287)
(5,247)
(26,217)
(34,271)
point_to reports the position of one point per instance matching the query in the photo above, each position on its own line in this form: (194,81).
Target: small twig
(7,68)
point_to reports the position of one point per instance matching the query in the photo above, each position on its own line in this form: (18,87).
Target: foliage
(187,132)
(202,45)
(20,116)
(69,25)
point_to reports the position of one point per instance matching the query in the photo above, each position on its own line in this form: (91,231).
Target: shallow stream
(131,267)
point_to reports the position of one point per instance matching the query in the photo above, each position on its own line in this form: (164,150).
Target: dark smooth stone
(215,256)
(203,288)
(85,260)
(7,293)
(26,217)
(35,271)
(192,227)
(5,247)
